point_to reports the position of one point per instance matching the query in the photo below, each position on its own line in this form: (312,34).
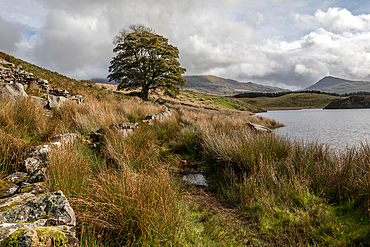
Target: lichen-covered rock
(7,188)
(55,203)
(39,152)
(34,188)
(31,164)
(16,177)
(37,176)
(15,201)
(40,237)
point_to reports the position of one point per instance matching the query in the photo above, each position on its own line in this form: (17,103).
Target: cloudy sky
(285,43)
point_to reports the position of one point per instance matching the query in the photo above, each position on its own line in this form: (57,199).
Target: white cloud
(336,19)
(247,40)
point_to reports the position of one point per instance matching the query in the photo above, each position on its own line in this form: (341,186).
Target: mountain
(103,81)
(341,86)
(221,86)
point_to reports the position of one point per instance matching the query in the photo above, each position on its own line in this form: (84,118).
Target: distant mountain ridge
(103,81)
(221,86)
(216,85)
(332,84)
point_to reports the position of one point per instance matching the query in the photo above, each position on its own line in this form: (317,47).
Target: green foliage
(144,59)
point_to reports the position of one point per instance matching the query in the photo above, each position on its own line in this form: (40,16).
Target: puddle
(196,179)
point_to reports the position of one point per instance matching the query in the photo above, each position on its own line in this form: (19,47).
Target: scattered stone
(259,128)
(196,179)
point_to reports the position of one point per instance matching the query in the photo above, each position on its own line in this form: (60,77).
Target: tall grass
(284,187)
(126,195)
(99,113)
(27,120)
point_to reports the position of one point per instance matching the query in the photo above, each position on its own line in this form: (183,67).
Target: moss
(4,184)
(58,238)
(2,209)
(26,189)
(12,240)
(46,216)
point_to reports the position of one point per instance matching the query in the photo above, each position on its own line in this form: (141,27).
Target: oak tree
(145,60)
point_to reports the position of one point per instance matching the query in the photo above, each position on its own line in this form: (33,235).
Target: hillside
(221,86)
(291,101)
(340,86)
(352,102)
(126,167)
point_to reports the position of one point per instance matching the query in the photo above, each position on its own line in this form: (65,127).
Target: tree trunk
(145,93)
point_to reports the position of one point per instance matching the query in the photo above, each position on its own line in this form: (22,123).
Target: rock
(12,91)
(65,138)
(41,236)
(7,188)
(159,116)
(36,177)
(39,152)
(259,128)
(196,179)
(15,201)
(95,136)
(29,165)
(35,188)
(55,204)
(43,102)
(16,177)
(56,101)
(79,99)
(59,92)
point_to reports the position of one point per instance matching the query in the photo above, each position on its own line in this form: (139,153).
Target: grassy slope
(276,193)
(291,101)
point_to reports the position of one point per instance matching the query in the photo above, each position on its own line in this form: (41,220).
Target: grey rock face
(12,91)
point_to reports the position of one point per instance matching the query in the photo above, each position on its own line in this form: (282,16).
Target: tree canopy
(145,60)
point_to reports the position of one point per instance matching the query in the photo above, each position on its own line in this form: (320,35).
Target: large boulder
(12,91)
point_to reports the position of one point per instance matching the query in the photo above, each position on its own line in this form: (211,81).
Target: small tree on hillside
(145,59)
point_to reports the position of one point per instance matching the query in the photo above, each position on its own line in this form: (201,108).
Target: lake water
(337,128)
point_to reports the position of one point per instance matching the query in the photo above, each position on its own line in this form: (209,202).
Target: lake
(337,128)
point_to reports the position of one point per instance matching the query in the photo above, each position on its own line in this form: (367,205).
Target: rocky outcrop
(17,80)
(12,73)
(352,102)
(27,208)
